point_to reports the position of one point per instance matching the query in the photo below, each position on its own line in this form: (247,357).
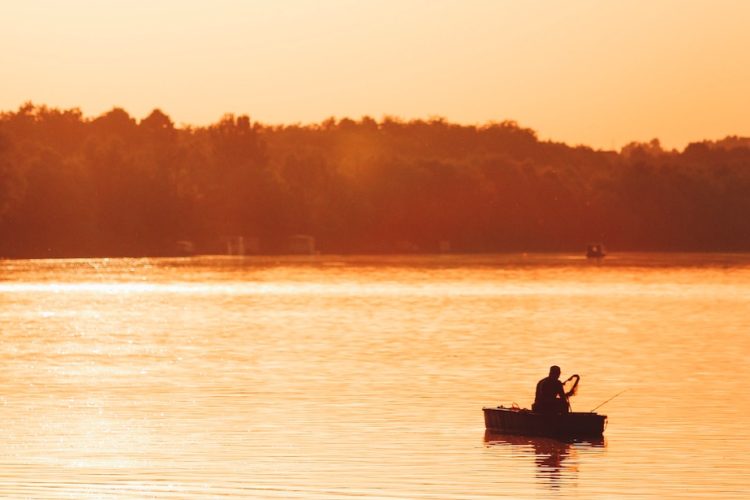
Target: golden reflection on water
(340,377)
(556,461)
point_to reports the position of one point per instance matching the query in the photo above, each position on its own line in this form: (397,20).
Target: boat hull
(528,423)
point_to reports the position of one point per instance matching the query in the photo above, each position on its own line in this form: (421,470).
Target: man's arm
(561,391)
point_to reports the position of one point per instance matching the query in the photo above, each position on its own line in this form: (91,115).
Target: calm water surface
(340,378)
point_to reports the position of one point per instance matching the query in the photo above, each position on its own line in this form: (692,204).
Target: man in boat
(550,395)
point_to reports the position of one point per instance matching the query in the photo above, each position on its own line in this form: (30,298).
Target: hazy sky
(599,72)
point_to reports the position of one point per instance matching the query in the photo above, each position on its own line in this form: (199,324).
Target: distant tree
(116,122)
(157,122)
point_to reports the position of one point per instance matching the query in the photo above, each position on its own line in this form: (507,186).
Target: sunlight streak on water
(444,289)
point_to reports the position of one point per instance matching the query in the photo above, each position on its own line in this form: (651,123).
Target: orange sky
(595,72)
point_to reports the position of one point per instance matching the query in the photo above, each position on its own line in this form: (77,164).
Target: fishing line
(610,399)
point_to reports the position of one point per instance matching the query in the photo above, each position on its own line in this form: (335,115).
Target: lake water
(364,377)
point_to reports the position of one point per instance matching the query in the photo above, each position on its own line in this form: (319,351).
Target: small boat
(528,423)
(595,251)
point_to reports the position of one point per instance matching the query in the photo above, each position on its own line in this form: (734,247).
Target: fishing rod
(607,401)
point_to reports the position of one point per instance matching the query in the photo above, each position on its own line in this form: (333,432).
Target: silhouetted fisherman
(550,395)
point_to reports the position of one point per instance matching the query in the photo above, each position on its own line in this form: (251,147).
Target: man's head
(554,371)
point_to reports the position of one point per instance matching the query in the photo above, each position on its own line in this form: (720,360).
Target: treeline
(114,185)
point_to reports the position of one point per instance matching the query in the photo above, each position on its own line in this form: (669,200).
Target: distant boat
(595,251)
(504,420)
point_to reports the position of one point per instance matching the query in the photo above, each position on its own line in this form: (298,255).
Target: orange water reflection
(337,377)
(556,460)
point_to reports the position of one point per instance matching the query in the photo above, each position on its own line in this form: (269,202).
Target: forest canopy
(114,185)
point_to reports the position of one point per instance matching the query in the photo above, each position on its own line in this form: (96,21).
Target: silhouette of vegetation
(113,185)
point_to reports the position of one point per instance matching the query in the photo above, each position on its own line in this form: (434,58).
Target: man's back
(546,399)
